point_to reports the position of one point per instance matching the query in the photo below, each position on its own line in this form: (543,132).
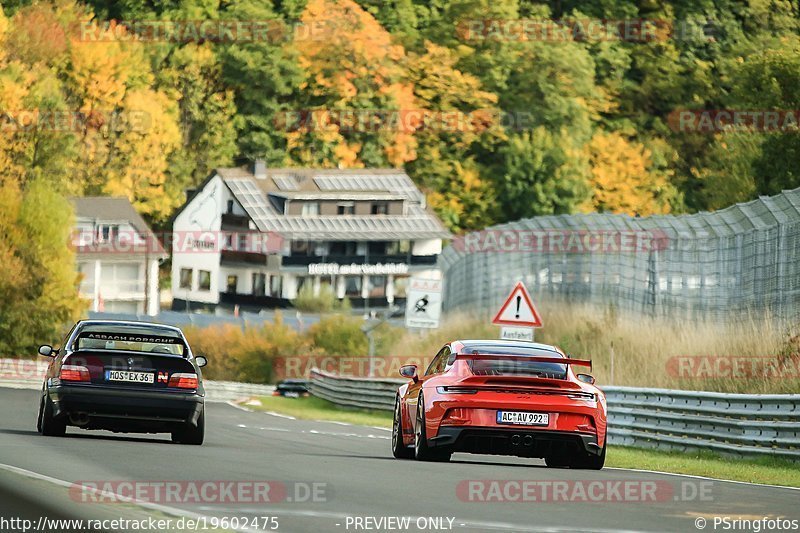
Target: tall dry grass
(649,352)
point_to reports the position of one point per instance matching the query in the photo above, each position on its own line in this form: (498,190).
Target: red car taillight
(74,373)
(183,381)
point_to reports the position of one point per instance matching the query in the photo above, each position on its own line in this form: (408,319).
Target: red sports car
(504,398)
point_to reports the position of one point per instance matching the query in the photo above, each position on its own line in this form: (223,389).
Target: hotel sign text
(335,268)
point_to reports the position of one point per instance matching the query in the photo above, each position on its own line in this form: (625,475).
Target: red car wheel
(399,449)
(422,451)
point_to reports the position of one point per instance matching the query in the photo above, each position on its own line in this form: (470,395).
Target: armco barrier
(355,392)
(741,424)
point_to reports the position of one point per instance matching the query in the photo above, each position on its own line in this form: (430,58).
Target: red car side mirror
(409,371)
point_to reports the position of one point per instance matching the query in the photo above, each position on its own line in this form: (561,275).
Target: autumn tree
(38,284)
(622,179)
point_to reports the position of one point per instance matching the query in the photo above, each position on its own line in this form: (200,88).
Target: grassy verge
(764,470)
(311,408)
(648,352)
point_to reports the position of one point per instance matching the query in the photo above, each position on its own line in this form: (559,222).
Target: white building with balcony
(117,256)
(255,237)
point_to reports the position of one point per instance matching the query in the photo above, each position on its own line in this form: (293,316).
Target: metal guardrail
(364,393)
(741,424)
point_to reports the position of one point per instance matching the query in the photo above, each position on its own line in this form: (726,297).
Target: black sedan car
(124,376)
(292,388)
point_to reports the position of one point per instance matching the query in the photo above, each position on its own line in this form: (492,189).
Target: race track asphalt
(358,483)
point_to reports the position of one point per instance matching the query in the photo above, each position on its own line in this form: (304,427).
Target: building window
(259,284)
(185,281)
(230,207)
(230,284)
(301,281)
(343,248)
(380,208)
(107,232)
(352,286)
(310,209)
(348,208)
(376,248)
(377,286)
(204,280)
(121,277)
(398,247)
(275,286)
(300,248)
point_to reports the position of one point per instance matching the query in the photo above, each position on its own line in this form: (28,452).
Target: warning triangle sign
(518,310)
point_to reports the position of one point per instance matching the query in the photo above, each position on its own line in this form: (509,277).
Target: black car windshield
(131,339)
(507,366)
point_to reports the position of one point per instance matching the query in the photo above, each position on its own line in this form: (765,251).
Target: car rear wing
(528,358)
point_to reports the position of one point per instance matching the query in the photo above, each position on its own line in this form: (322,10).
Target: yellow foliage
(621,178)
(351,63)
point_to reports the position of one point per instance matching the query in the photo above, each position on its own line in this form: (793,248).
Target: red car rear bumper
(468,423)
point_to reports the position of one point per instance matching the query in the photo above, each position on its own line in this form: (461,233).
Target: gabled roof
(252,194)
(114,209)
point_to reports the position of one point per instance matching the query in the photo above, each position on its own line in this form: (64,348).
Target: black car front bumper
(514,441)
(121,408)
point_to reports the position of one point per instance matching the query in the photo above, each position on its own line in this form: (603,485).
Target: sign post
(518,316)
(423,303)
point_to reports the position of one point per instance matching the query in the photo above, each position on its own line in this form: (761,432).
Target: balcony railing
(305,260)
(235,256)
(112,289)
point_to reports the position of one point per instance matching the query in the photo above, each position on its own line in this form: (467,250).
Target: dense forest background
(589,126)
(571,125)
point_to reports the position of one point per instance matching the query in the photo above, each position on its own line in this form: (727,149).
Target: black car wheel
(39,416)
(399,450)
(50,425)
(580,462)
(592,462)
(190,434)
(422,451)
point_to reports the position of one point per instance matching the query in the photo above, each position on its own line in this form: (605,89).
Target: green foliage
(553,126)
(339,335)
(324,302)
(213,104)
(543,176)
(250,354)
(237,354)
(38,286)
